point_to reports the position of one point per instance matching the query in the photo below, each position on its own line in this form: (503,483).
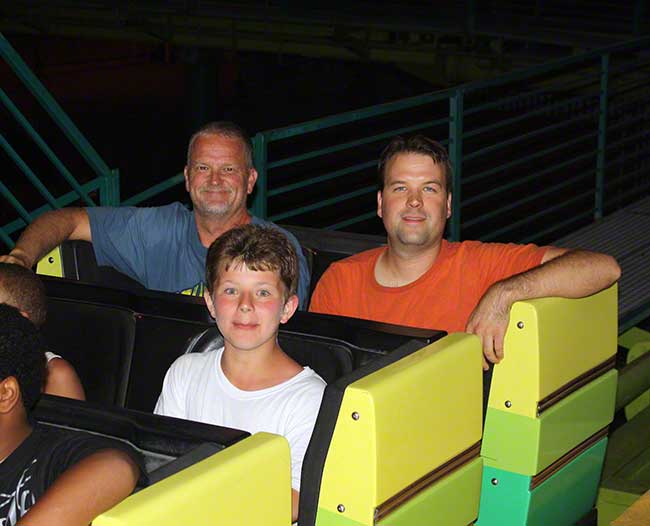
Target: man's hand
(489,322)
(564,273)
(16,257)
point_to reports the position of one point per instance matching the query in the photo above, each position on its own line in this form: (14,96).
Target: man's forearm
(46,232)
(574,274)
(568,274)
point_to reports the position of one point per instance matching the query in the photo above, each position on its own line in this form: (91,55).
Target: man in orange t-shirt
(421,280)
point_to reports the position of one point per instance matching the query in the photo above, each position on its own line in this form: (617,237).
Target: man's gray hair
(226,129)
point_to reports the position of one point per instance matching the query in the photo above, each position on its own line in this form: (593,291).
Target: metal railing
(536,153)
(106,182)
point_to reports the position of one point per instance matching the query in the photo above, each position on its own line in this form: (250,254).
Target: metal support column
(602,137)
(456,158)
(259,207)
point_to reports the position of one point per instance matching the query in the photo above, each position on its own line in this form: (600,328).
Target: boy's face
(248,305)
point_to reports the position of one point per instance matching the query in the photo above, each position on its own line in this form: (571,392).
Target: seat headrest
(208,340)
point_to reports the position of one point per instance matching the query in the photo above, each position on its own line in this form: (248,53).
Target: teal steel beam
(523,180)
(154,190)
(456,158)
(6,239)
(498,211)
(50,105)
(536,155)
(28,172)
(524,136)
(260,201)
(602,137)
(321,178)
(352,221)
(495,234)
(325,202)
(13,201)
(64,200)
(44,147)
(354,144)
(353,116)
(524,116)
(539,234)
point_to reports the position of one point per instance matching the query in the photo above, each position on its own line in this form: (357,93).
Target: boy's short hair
(22,354)
(259,248)
(23,289)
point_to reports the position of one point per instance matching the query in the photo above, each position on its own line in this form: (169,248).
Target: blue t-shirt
(160,247)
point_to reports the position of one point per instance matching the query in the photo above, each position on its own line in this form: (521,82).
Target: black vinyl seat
(98,341)
(330,358)
(79,262)
(167,444)
(158,342)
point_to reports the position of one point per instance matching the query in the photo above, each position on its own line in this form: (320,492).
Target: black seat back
(168,444)
(330,358)
(79,262)
(98,341)
(158,342)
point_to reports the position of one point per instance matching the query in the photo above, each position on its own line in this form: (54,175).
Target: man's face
(248,306)
(414,203)
(217,177)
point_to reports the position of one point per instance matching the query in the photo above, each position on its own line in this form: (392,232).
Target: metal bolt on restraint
(520,325)
(340,508)
(355,416)
(495,482)
(508,403)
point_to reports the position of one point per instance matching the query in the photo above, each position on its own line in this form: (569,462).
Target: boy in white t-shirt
(249,384)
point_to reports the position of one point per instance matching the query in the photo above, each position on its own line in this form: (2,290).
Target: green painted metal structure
(536,153)
(507,500)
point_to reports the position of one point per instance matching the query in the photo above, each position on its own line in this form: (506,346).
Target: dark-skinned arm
(564,273)
(84,491)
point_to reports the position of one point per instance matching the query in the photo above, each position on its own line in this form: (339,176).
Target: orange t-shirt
(442,298)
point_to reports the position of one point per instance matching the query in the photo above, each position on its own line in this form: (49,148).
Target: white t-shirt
(195,388)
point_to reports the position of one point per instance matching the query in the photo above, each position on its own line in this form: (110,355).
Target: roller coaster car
(399,437)
(198,473)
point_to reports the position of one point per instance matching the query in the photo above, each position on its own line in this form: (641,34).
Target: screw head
(495,482)
(508,403)
(340,508)
(355,416)
(50,260)
(520,325)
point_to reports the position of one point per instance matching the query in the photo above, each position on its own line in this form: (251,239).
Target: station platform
(624,234)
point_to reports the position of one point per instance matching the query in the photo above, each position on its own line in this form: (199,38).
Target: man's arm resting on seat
(46,232)
(564,273)
(84,491)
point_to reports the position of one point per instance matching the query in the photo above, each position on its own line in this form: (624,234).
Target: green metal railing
(106,182)
(536,153)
